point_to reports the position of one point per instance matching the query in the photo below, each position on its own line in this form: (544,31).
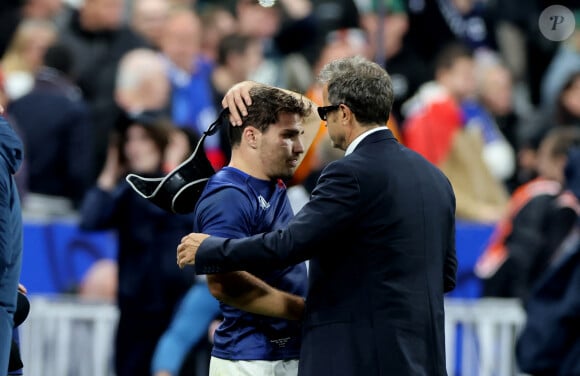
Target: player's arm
(242,289)
(249,293)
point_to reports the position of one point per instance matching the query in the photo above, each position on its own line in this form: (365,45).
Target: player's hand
(237,99)
(188,247)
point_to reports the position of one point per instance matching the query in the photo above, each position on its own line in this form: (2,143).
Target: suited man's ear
(250,136)
(346,114)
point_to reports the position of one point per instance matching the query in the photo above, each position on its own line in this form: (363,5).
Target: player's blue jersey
(236,205)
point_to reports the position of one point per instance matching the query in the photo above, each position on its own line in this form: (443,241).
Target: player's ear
(250,135)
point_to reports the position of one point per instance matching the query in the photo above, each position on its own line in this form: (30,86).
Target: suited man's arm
(450,263)
(450,267)
(249,293)
(241,289)
(330,211)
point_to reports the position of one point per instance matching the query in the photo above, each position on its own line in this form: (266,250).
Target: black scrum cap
(178,191)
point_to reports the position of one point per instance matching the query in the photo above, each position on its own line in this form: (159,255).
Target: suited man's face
(336,131)
(280,146)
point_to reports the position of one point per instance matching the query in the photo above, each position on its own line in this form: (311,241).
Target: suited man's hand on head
(237,99)
(187,249)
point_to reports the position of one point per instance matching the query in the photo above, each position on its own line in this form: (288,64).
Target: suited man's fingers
(237,99)
(183,259)
(235,103)
(186,253)
(188,247)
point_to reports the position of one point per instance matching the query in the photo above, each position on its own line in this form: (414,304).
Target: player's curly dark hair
(267,104)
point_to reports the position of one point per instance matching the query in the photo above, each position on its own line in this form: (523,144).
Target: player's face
(281,146)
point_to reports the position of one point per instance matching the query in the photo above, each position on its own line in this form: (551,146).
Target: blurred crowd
(101,88)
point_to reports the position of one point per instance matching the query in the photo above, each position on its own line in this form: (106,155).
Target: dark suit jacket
(380,233)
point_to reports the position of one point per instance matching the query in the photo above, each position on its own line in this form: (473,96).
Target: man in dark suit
(379,232)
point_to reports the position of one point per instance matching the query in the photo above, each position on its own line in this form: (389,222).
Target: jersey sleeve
(227,213)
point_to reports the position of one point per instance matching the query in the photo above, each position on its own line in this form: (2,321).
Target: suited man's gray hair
(364,86)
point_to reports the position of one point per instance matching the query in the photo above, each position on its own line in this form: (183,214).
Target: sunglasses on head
(324,111)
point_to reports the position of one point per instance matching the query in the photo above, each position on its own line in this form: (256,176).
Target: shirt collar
(361,137)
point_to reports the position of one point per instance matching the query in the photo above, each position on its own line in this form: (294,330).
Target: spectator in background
(191,104)
(435,128)
(538,219)
(150,286)
(55,124)
(286,31)
(456,21)
(10,17)
(331,15)
(14,12)
(98,38)
(387,24)
(143,88)
(148,18)
(141,83)
(495,94)
(22,175)
(11,154)
(238,57)
(217,22)
(567,112)
(548,343)
(498,154)
(562,65)
(25,55)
